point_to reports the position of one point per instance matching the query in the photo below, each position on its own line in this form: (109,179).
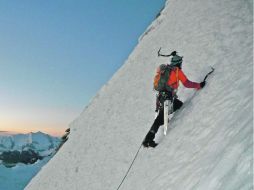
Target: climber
(166,82)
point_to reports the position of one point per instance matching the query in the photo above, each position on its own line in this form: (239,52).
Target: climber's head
(176,61)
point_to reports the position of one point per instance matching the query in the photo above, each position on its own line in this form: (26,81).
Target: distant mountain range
(26,148)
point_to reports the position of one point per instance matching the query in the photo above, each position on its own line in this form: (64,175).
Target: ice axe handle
(208,74)
(159,52)
(172,54)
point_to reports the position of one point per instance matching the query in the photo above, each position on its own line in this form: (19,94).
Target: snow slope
(209,146)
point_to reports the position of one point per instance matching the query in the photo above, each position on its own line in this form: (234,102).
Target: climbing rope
(135,157)
(129,168)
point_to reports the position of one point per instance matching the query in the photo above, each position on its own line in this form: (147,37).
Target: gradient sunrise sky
(55,56)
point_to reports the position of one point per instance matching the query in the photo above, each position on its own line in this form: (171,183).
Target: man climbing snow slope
(166,82)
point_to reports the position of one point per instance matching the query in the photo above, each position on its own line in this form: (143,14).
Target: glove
(202,84)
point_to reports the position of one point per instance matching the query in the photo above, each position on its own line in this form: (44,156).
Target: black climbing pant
(177,104)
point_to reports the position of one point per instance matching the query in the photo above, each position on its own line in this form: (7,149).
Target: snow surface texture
(209,144)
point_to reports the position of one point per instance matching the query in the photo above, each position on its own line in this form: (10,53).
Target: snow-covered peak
(38,142)
(209,145)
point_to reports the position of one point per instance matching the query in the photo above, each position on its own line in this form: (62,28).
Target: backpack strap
(176,71)
(177,81)
(177,78)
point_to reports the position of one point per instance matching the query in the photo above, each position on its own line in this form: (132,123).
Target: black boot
(149,142)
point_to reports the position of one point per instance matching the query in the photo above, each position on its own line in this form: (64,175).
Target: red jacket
(176,75)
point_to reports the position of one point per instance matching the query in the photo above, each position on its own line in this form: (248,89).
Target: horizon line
(39,131)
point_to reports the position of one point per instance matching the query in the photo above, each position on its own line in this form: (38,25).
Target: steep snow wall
(209,145)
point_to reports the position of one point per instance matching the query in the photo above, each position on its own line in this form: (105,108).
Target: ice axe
(208,74)
(172,54)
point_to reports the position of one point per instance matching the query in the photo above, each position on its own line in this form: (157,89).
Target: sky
(56,55)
